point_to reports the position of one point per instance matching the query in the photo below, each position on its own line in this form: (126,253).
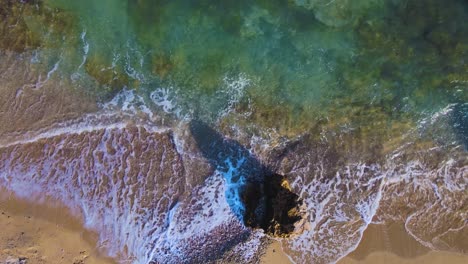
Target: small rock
(78,261)
(32,250)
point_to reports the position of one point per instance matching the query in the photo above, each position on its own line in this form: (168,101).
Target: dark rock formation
(272,206)
(258,196)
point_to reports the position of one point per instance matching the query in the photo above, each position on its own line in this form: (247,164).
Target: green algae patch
(15,34)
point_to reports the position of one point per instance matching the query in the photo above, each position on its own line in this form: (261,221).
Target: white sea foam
(40,80)
(339,208)
(134,60)
(85,49)
(201,216)
(134,104)
(234,88)
(164,98)
(125,108)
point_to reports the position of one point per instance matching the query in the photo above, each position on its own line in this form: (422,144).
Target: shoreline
(45,233)
(274,254)
(380,244)
(386,257)
(390,243)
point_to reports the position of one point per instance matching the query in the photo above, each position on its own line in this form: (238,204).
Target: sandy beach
(432,257)
(274,254)
(390,243)
(381,244)
(43,234)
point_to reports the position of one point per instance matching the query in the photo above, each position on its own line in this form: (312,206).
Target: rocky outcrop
(273,207)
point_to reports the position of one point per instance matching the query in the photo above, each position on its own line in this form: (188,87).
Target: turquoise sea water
(296,62)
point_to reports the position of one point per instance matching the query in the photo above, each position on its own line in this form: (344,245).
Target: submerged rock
(273,207)
(338,13)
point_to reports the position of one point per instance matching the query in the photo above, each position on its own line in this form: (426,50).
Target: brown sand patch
(391,237)
(45,234)
(274,255)
(390,243)
(432,257)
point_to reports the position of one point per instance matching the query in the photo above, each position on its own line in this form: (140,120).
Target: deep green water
(301,62)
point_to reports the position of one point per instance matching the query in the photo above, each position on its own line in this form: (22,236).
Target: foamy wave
(203,227)
(85,49)
(164,98)
(234,88)
(340,208)
(125,108)
(428,196)
(127,101)
(40,80)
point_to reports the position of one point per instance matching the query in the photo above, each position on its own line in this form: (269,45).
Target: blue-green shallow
(300,62)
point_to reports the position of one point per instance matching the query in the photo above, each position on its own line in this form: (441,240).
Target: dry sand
(44,234)
(381,244)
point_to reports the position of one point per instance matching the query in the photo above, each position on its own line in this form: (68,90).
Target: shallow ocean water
(399,57)
(358,103)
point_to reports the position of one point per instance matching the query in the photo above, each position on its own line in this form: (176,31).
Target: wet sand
(44,234)
(432,257)
(381,244)
(274,254)
(390,243)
